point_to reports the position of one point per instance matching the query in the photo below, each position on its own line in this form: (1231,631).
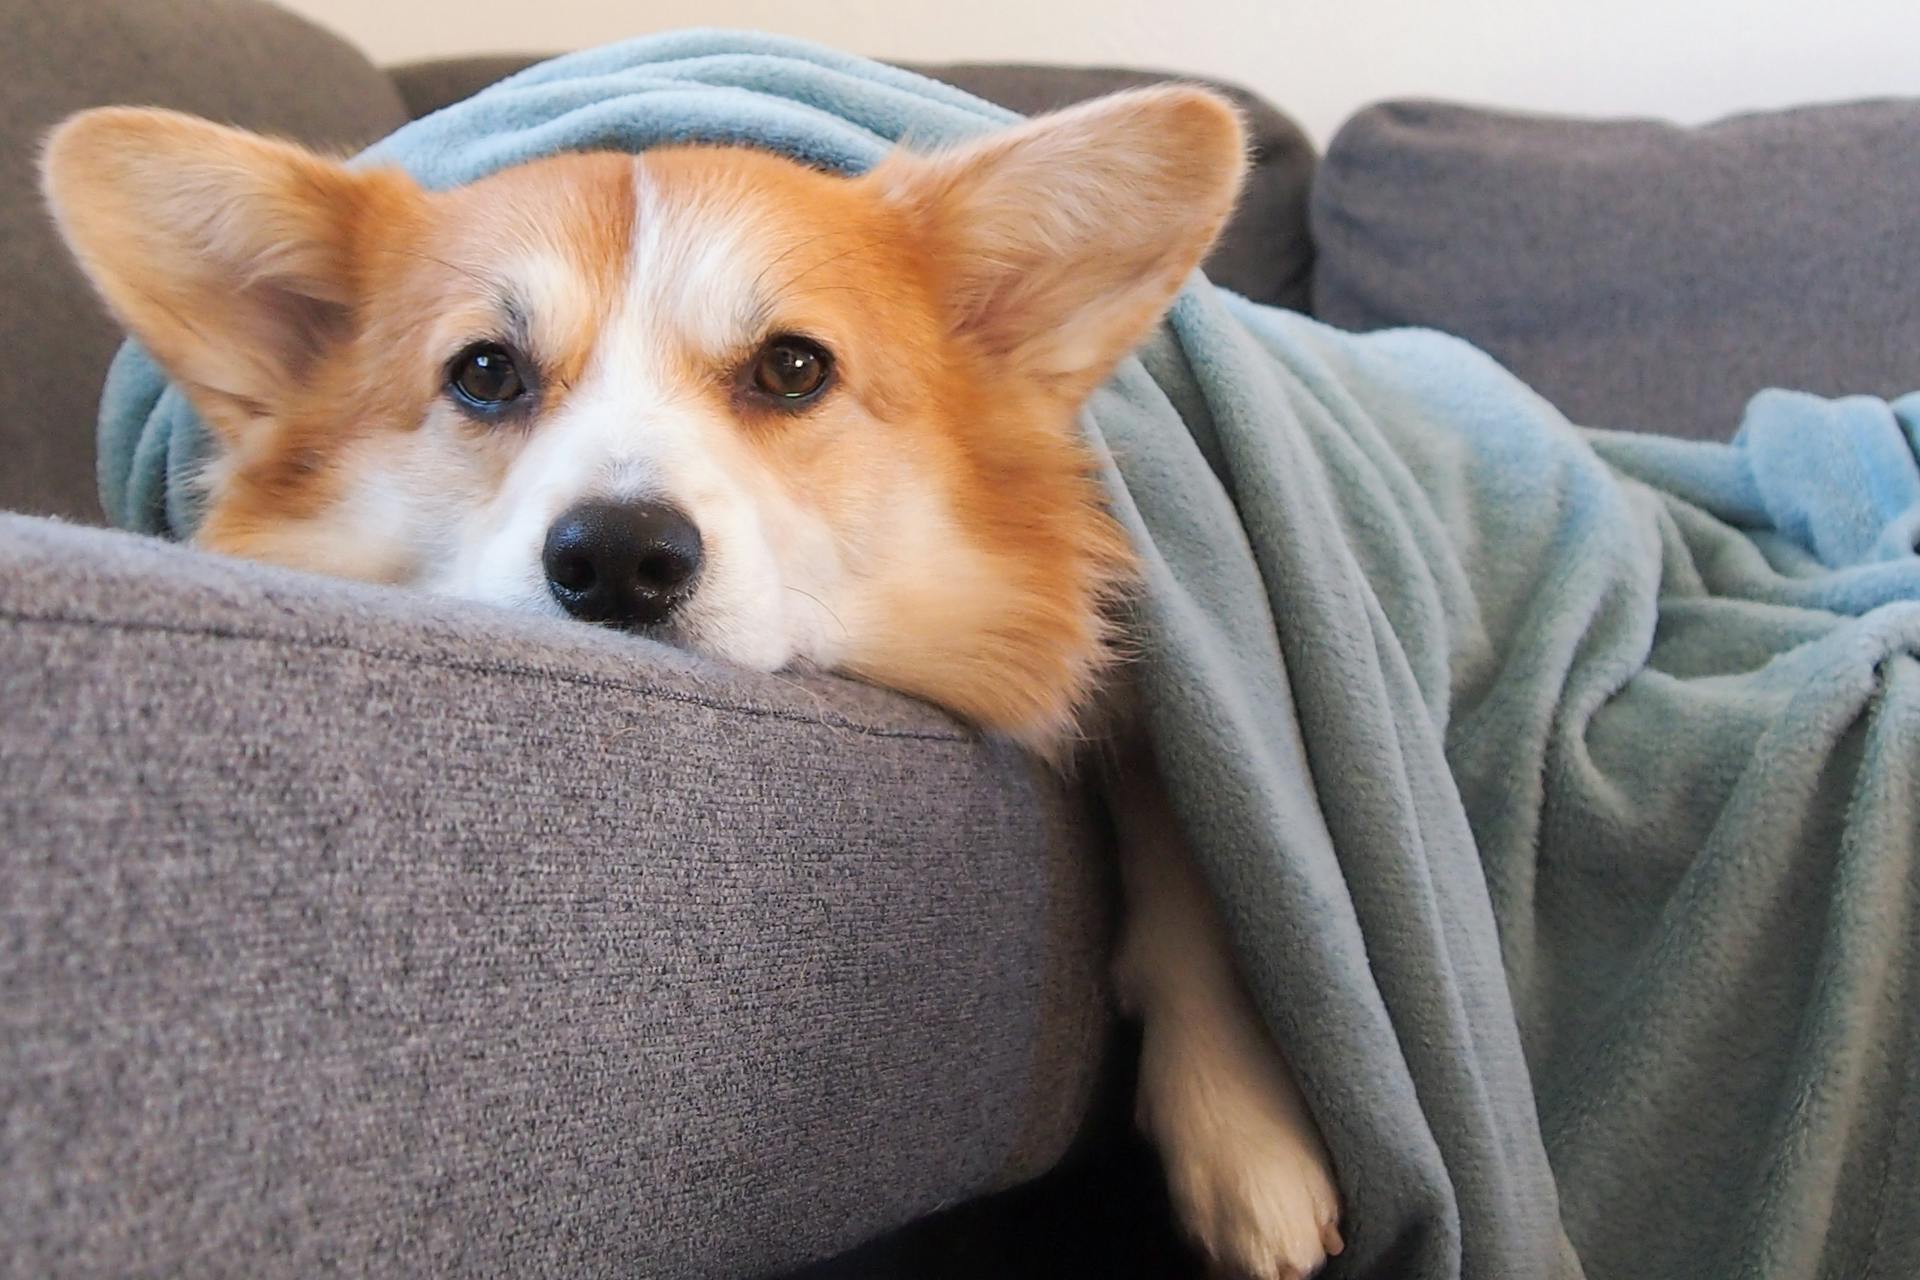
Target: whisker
(863,291)
(824,606)
(862,247)
(788,252)
(820,705)
(438,261)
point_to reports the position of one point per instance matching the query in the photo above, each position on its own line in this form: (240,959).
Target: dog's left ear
(1057,244)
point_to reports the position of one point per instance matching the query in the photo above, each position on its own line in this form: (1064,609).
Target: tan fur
(1245,1166)
(1012,636)
(972,300)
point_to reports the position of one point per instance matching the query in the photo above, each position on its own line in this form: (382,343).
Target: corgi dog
(771,415)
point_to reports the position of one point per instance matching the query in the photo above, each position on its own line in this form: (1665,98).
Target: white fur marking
(640,426)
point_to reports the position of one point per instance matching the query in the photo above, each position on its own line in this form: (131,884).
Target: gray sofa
(343,929)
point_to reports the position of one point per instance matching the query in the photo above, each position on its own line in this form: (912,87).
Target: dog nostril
(571,571)
(665,569)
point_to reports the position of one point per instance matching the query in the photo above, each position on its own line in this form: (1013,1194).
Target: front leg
(1246,1168)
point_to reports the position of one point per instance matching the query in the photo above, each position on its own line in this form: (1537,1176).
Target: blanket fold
(1559,786)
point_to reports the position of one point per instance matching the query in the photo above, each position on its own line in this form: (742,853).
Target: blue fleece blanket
(1561,788)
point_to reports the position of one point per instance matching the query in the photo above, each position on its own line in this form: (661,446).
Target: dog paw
(1247,1173)
(1261,1208)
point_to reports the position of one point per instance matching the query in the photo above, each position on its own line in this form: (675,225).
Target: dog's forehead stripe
(695,271)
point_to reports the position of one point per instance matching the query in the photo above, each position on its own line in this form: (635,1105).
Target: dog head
(766,413)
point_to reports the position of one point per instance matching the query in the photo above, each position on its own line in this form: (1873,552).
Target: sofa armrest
(348,929)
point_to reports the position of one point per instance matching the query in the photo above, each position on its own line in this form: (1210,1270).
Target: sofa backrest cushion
(1642,276)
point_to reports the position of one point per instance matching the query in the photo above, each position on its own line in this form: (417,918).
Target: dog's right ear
(1060,241)
(230,256)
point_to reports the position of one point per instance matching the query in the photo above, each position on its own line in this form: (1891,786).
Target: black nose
(624,563)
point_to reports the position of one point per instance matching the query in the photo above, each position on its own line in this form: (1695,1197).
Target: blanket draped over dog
(1560,787)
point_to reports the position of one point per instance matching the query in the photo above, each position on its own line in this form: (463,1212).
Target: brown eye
(485,377)
(792,369)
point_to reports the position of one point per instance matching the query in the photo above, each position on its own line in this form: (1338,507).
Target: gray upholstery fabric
(440,82)
(1641,276)
(235,60)
(351,929)
(1264,253)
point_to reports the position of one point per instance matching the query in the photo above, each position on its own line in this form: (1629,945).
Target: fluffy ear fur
(231,256)
(1058,243)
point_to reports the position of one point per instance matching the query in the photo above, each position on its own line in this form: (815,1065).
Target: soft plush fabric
(240,61)
(346,930)
(1640,275)
(1264,252)
(1444,694)
(1495,756)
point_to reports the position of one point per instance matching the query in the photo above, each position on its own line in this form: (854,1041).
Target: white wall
(1685,59)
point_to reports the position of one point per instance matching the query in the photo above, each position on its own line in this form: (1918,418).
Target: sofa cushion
(1643,276)
(349,929)
(1264,253)
(241,61)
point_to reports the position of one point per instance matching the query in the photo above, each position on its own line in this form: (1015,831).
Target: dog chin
(739,646)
